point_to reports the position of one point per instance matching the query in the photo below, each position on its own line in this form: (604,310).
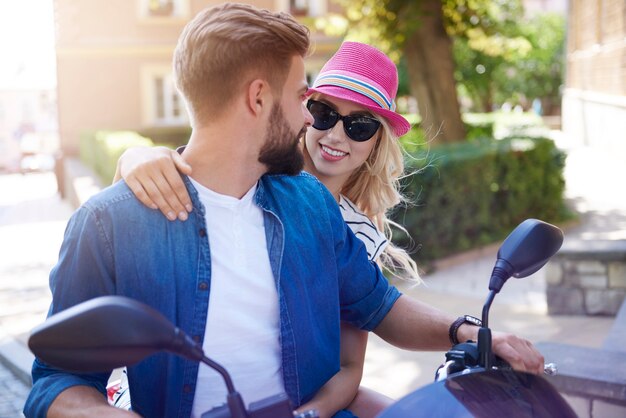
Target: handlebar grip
(550,369)
(501,364)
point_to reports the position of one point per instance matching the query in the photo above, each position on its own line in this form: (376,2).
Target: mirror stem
(236,406)
(234,400)
(486,307)
(484,347)
(221,370)
(484,333)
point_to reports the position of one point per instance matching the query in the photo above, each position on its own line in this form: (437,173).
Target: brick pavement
(13,393)
(32,221)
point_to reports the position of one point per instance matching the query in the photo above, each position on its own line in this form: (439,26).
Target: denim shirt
(115,245)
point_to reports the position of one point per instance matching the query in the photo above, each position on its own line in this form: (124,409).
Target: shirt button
(203,286)
(187,388)
(203,232)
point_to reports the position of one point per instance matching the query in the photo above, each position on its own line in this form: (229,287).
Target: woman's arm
(369,403)
(153,176)
(342,388)
(413,325)
(84,401)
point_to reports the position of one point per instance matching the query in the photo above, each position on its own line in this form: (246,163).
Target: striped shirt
(375,242)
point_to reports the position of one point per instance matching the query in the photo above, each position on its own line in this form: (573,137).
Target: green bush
(477,130)
(477,125)
(469,194)
(168,136)
(100,150)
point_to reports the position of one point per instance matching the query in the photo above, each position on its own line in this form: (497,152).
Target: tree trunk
(428,52)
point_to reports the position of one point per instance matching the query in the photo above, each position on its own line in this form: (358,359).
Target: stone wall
(587,278)
(593,388)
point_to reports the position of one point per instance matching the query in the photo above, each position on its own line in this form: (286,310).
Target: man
(275,259)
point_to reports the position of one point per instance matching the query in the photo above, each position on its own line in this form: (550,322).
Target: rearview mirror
(105,333)
(525,251)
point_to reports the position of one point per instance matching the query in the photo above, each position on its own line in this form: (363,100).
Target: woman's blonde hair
(375,188)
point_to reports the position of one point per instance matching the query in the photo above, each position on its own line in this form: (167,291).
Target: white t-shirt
(364,229)
(242,330)
(243,335)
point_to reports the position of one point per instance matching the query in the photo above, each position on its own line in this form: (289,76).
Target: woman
(353,149)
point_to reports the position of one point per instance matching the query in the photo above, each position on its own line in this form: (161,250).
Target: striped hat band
(346,81)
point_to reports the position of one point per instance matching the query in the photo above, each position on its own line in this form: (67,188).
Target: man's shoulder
(300,189)
(118,204)
(296,196)
(118,208)
(301,177)
(118,194)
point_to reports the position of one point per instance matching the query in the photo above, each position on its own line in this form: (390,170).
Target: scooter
(471,383)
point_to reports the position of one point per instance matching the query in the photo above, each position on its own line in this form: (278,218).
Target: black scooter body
(492,393)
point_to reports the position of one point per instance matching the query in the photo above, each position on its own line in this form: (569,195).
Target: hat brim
(398,123)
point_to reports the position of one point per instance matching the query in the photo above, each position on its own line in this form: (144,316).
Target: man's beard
(281,151)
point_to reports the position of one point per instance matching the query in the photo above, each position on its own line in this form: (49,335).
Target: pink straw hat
(363,75)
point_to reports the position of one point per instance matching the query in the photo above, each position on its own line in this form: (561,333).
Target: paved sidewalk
(33,218)
(13,392)
(32,221)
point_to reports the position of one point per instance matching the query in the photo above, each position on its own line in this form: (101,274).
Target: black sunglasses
(359,128)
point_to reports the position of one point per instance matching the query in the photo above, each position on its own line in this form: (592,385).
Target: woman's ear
(258,96)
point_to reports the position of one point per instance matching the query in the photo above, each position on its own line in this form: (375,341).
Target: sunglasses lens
(323,116)
(361,128)
(358,128)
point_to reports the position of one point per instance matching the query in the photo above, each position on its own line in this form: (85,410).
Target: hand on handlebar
(521,354)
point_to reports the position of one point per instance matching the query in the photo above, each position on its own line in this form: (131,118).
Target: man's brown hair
(226,46)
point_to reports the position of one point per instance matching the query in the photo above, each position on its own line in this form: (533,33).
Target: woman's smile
(331,154)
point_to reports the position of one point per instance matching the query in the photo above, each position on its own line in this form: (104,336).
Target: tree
(540,73)
(428,52)
(422,31)
(415,30)
(486,41)
(520,62)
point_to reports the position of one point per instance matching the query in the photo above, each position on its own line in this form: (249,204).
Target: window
(162,105)
(299,7)
(308,7)
(156,9)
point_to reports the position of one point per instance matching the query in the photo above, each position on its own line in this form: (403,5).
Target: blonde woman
(353,149)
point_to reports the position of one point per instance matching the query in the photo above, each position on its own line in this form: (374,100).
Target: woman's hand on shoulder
(153,176)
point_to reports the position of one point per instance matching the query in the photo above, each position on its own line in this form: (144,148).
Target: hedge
(100,150)
(168,136)
(466,194)
(470,194)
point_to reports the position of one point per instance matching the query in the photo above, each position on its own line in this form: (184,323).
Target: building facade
(532,7)
(114,61)
(594,99)
(28,126)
